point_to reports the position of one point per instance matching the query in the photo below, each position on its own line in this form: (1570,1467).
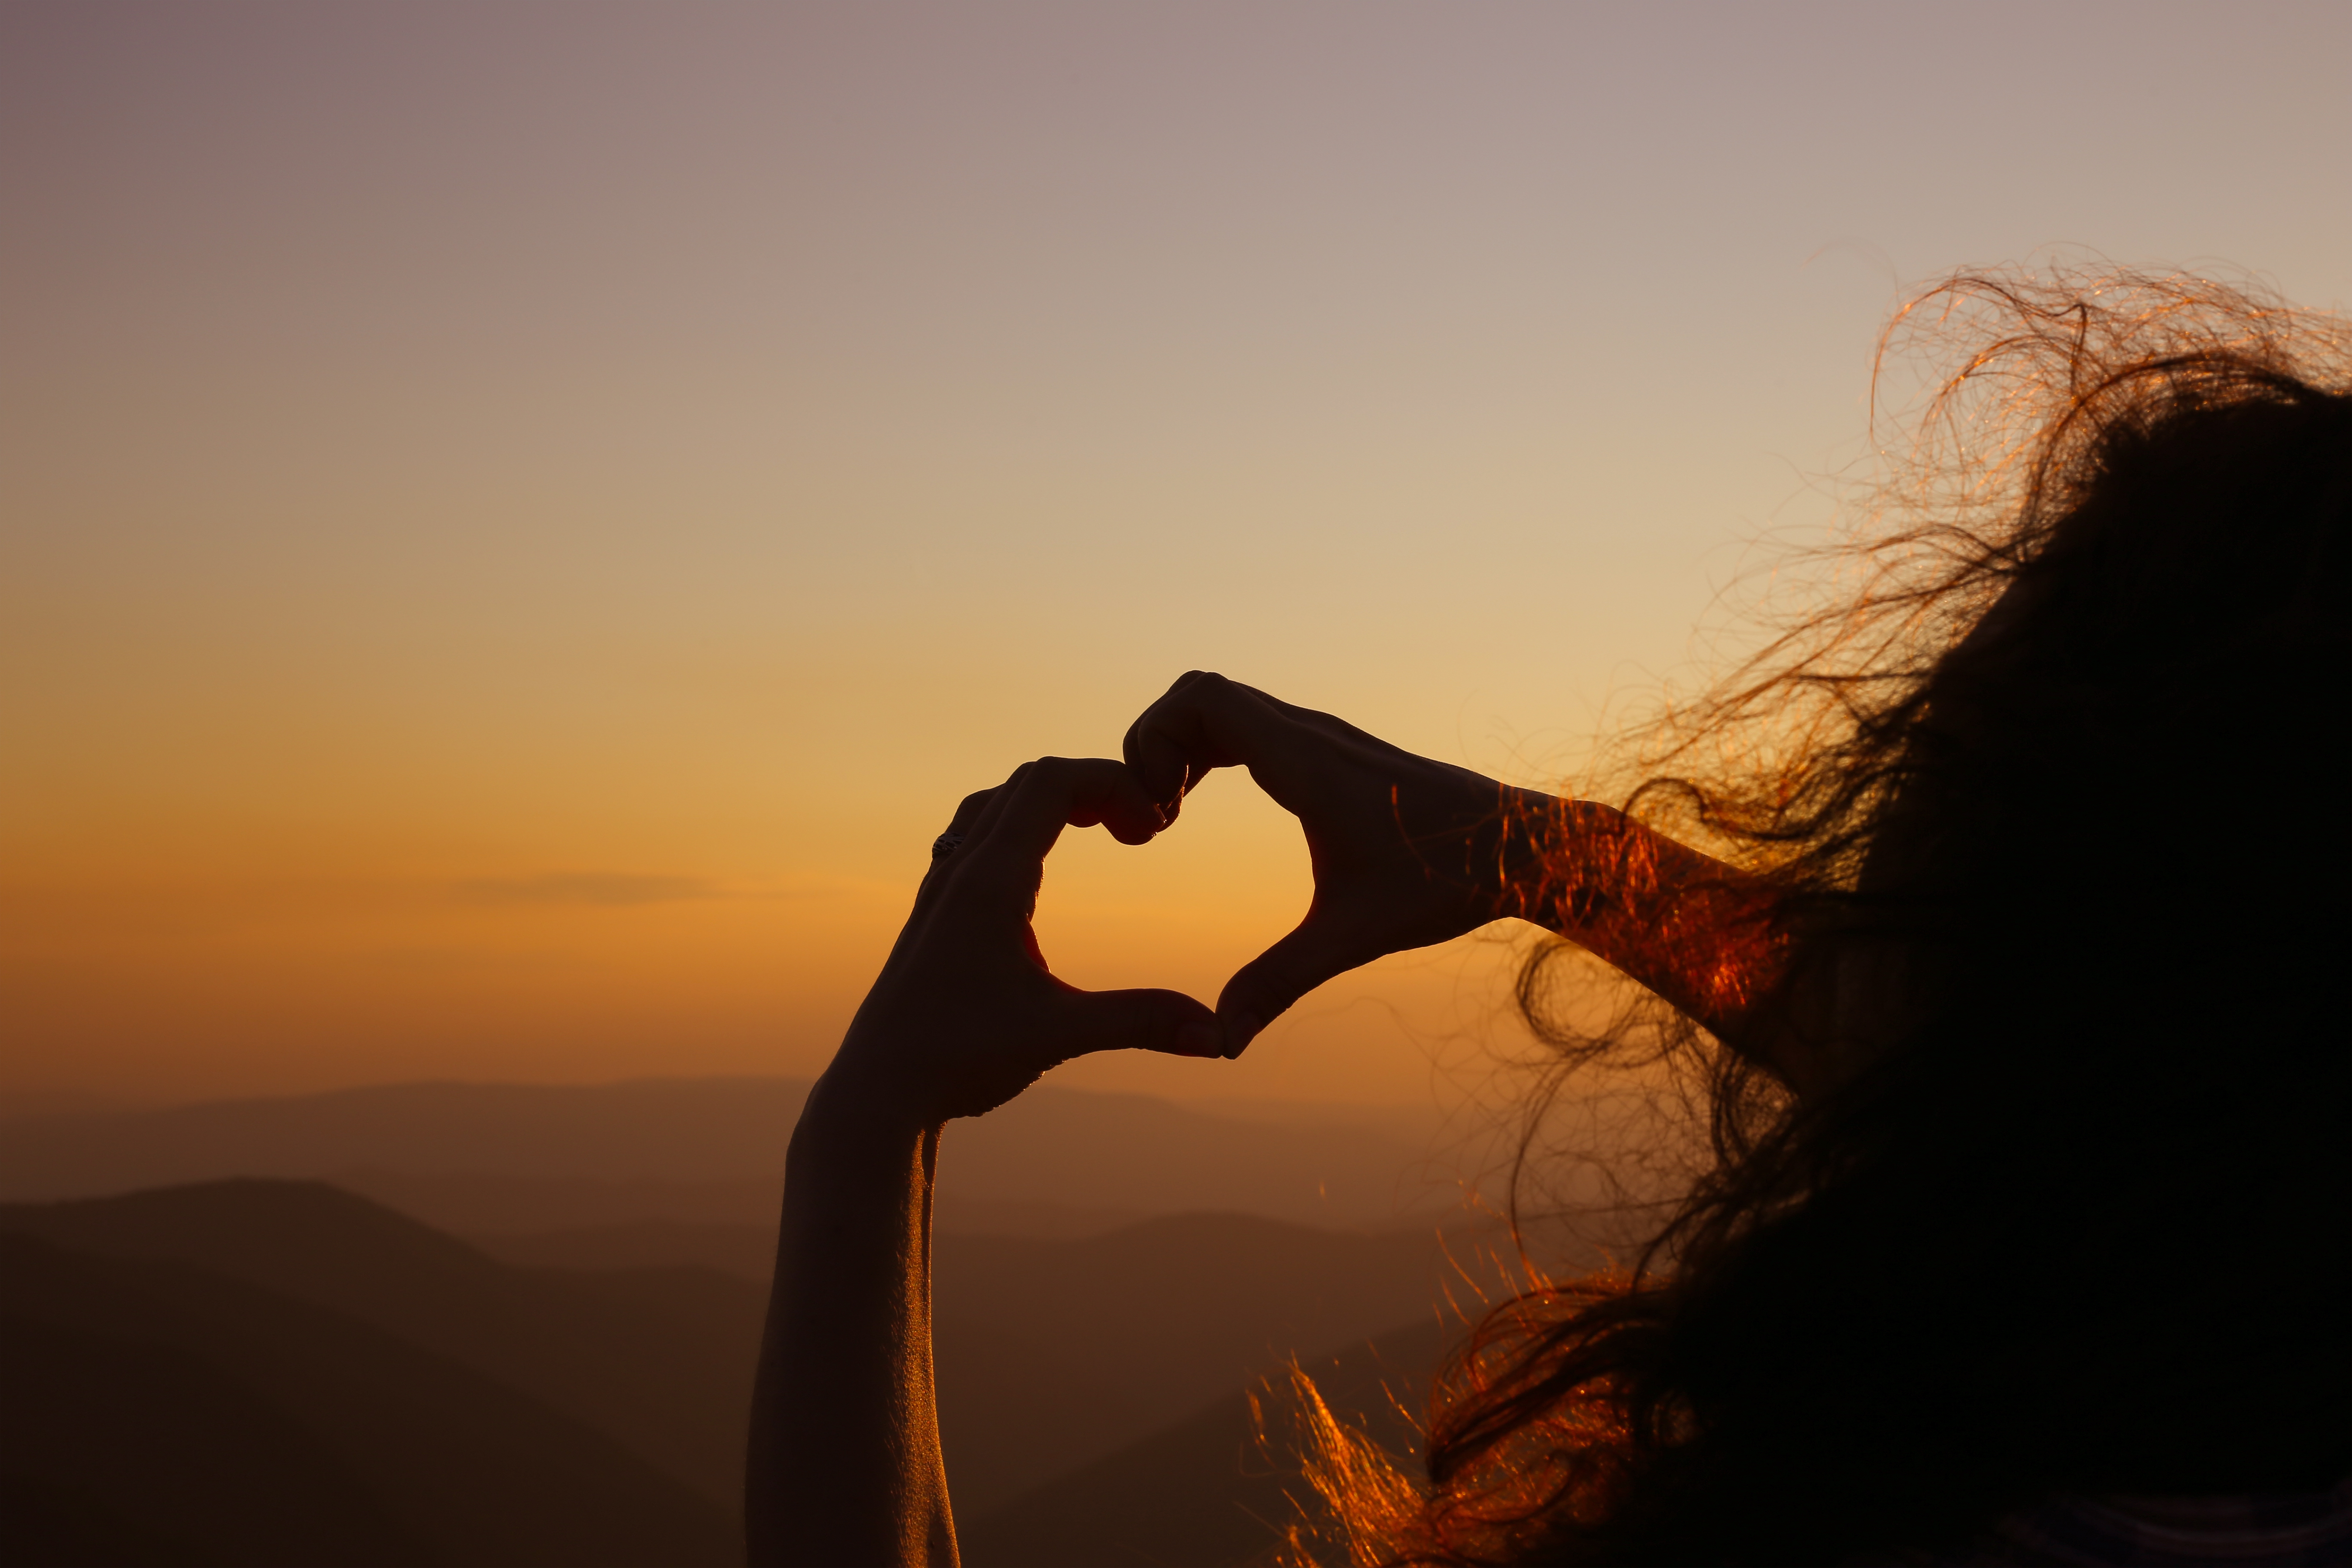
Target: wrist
(850,1107)
(1520,850)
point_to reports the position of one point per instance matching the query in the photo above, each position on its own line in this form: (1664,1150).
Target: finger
(969,814)
(1202,722)
(1143,1020)
(991,808)
(1016,829)
(928,891)
(959,829)
(968,810)
(1163,744)
(1263,989)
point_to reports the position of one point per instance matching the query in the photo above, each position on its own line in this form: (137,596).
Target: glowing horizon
(520,525)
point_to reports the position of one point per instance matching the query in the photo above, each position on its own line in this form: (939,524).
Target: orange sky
(520,523)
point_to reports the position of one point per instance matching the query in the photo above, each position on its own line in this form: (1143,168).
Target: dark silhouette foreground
(1994,915)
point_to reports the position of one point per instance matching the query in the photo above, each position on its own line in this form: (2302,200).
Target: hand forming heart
(846,1459)
(965,1014)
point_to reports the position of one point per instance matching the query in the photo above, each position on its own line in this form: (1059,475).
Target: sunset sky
(518,523)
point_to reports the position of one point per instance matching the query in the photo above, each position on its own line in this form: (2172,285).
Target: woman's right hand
(1407,852)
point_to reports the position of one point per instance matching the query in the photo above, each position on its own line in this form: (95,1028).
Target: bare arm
(1408,852)
(1698,932)
(844,1452)
(845,1465)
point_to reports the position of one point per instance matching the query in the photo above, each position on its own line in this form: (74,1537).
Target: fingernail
(1199,1039)
(1240,1030)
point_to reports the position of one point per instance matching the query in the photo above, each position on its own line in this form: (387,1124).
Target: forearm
(845,1465)
(1695,931)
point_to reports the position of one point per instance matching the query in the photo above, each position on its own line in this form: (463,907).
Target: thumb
(1141,1020)
(1262,989)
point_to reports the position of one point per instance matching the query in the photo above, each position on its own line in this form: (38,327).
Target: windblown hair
(2062,780)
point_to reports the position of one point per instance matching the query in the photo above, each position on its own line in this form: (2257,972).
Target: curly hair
(2058,780)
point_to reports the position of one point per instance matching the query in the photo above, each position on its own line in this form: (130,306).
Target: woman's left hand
(965,1014)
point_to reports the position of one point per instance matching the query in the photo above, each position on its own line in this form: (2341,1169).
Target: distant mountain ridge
(659,1360)
(268,1297)
(159,1412)
(511,1157)
(1220,1486)
(572,1279)
(675,1130)
(1051,1353)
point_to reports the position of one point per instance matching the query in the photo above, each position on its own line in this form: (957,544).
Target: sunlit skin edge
(868,1483)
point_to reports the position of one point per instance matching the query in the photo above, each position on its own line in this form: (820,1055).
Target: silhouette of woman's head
(2030,1176)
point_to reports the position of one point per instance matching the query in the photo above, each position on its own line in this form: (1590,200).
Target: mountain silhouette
(158,1410)
(1206,1491)
(514,1157)
(658,1360)
(746,1251)
(136,1451)
(334,1346)
(1052,1354)
(1049,1353)
(749,1250)
(682,1129)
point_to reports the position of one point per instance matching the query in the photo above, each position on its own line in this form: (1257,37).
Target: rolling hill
(493,1158)
(168,1415)
(381,1390)
(659,1360)
(1206,1491)
(1050,1353)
